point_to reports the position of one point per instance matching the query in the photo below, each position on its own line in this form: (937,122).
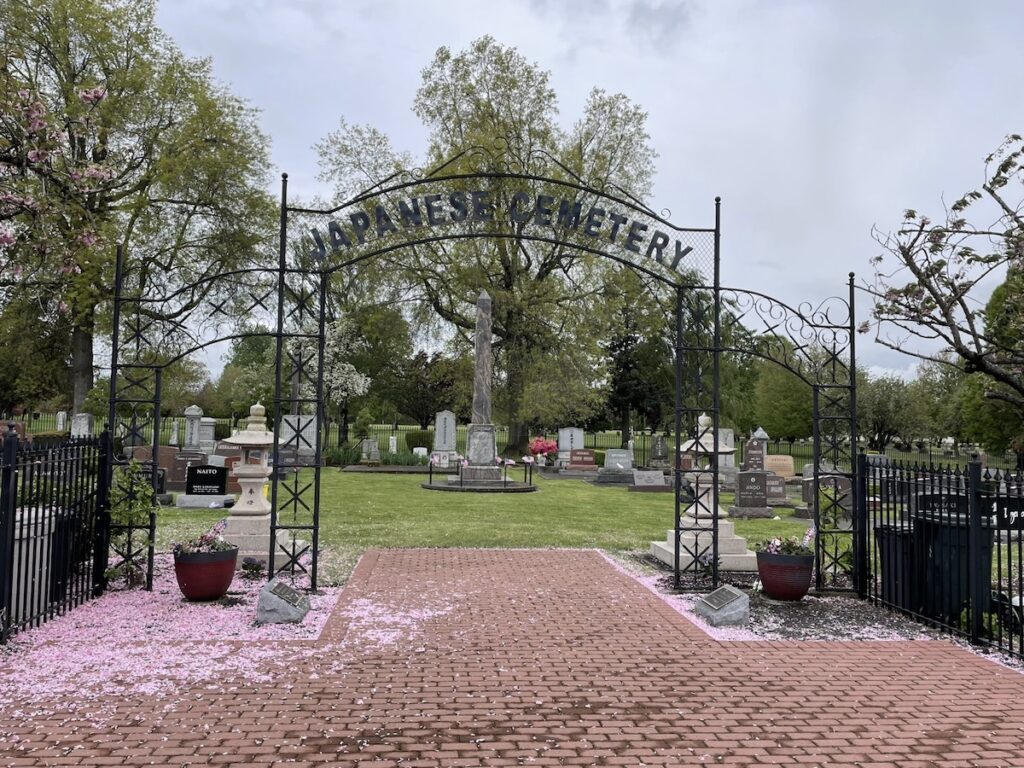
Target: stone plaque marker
(726,606)
(650,480)
(780,465)
(392,444)
(279,604)
(370,451)
(62,420)
(206,480)
(193,414)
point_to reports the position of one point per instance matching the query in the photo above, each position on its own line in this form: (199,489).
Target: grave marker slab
(780,465)
(206,480)
(569,439)
(582,460)
(753,454)
(776,488)
(725,607)
(650,481)
(751,495)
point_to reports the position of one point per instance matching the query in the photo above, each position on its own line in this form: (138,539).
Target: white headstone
(569,439)
(82,425)
(444,431)
(393,444)
(207,433)
(726,441)
(193,414)
(174,432)
(419,450)
(62,420)
(298,433)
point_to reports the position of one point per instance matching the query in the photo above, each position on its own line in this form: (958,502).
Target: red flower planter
(205,575)
(785,577)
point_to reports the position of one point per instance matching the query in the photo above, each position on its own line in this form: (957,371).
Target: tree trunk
(518,434)
(81,362)
(343,424)
(624,427)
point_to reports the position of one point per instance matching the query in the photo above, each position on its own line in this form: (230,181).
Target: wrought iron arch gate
(478,194)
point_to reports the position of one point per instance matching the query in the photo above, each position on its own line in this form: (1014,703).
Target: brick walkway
(486,658)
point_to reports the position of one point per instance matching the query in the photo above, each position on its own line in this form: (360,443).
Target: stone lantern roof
(255,434)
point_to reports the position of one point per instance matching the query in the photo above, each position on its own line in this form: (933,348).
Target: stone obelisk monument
(481,446)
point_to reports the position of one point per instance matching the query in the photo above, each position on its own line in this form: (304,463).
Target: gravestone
(206,480)
(420,450)
(205,486)
(582,460)
(618,467)
(753,454)
(780,465)
(659,453)
(370,450)
(281,604)
(727,606)
(193,415)
(298,433)
(751,495)
(82,425)
(393,444)
(650,481)
(207,434)
(174,433)
(62,420)
(726,447)
(838,486)
(569,439)
(445,432)
(776,488)
(229,465)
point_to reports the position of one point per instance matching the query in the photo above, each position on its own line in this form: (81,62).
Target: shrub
(403,459)
(342,456)
(599,457)
(222,429)
(419,438)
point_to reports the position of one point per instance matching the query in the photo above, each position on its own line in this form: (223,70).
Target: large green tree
(109,135)
(545,294)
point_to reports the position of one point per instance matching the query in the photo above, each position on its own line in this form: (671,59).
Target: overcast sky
(813,120)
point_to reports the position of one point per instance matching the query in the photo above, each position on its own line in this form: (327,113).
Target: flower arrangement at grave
(205,566)
(211,541)
(785,566)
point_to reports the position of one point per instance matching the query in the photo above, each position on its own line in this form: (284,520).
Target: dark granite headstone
(581,458)
(753,454)
(205,480)
(752,489)
(775,487)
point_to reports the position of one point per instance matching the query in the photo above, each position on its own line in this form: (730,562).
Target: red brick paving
(500,657)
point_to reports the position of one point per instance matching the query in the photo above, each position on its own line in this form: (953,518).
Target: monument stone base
(251,533)
(614,476)
(473,474)
(733,554)
(201,500)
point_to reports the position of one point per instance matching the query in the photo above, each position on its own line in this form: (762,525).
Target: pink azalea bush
(541,446)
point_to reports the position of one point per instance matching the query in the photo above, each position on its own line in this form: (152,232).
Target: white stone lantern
(249,522)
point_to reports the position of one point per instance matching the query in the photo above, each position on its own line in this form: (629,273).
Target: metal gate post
(860,528)
(8,504)
(101,531)
(976,586)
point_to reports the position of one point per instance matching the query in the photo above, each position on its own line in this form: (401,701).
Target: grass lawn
(359,511)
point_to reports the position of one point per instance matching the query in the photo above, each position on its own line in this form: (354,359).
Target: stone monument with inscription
(617,469)
(82,425)
(569,439)
(444,438)
(481,443)
(751,495)
(754,450)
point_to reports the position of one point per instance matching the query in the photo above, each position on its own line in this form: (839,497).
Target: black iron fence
(944,545)
(50,544)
